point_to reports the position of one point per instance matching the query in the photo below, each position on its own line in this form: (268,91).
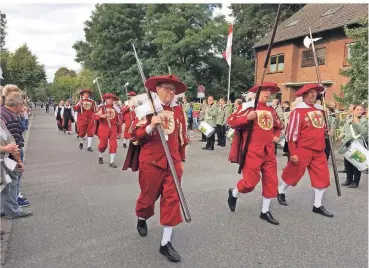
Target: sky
(50,30)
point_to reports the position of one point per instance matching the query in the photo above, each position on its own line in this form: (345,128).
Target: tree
(2,30)
(24,70)
(63,71)
(356,90)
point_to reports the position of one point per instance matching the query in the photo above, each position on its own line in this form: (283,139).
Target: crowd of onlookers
(14,115)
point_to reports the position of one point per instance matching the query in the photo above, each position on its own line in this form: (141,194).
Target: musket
(251,124)
(102,100)
(333,157)
(181,197)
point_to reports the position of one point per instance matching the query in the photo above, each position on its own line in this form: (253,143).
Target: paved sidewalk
(84,215)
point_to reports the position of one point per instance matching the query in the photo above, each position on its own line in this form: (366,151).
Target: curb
(6,225)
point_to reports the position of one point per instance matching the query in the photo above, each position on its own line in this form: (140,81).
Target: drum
(230,134)
(206,129)
(357,155)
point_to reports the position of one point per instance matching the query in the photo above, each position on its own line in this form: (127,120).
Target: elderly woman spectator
(354,128)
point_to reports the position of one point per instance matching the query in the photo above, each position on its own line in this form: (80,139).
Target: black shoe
(142,227)
(353,185)
(208,148)
(282,199)
(101,161)
(202,140)
(169,252)
(89,149)
(269,218)
(342,171)
(231,200)
(113,165)
(81,146)
(124,145)
(223,145)
(321,210)
(346,183)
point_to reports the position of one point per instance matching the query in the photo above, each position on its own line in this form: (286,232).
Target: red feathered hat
(307,87)
(131,94)
(153,81)
(110,96)
(85,90)
(269,85)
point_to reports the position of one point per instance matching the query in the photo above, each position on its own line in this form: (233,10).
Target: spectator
(211,112)
(195,116)
(11,134)
(190,117)
(319,102)
(356,127)
(221,121)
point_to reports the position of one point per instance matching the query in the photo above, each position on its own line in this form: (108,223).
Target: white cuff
(148,130)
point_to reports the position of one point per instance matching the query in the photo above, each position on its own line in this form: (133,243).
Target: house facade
(291,64)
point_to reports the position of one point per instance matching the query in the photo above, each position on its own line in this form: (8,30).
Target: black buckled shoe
(282,199)
(90,149)
(322,211)
(346,183)
(353,185)
(142,227)
(81,146)
(101,161)
(169,252)
(342,171)
(113,165)
(231,200)
(269,218)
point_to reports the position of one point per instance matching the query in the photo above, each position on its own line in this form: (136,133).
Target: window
(276,63)
(347,53)
(308,57)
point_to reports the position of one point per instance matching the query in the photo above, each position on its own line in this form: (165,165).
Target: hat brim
(111,97)
(300,92)
(84,91)
(153,82)
(272,89)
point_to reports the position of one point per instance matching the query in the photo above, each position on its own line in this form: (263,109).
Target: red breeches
(157,182)
(265,163)
(315,162)
(86,127)
(107,136)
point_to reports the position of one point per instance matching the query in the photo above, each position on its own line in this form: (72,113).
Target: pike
(102,100)
(307,42)
(181,197)
(251,124)
(125,86)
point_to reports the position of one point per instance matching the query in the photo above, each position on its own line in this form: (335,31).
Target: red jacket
(112,114)
(306,129)
(152,150)
(267,126)
(86,108)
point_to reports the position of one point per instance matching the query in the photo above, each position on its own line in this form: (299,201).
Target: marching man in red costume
(306,142)
(86,109)
(155,177)
(128,113)
(108,127)
(260,157)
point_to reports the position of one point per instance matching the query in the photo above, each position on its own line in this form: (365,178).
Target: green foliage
(2,29)
(356,90)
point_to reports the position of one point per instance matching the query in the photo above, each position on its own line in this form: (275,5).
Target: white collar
(303,105)
(172,104)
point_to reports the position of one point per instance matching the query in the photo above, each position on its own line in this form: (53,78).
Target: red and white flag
(228,53)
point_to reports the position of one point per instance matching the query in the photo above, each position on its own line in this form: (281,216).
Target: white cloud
(49,30)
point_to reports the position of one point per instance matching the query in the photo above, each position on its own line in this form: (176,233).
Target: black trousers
(203,137)
(210,141)
(190,123)
(353,174)
(327,149)
(221,132)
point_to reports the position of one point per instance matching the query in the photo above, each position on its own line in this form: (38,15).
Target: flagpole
(229,81)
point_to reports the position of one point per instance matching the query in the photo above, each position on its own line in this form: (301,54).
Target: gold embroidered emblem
(111,113)
(265,119)
(87,105)
(316,118)
(167,118)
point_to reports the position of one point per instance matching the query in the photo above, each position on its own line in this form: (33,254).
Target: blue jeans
(195,123)
(9,200)
(20,176)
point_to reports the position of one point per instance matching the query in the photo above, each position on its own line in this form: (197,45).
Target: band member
(306,142)
(59,114)
(211,112)
(108,127)
(68,117)
(260,157)
(155,177)
(128,113)
(86,109)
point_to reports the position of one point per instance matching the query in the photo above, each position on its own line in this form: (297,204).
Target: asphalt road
(84,215)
